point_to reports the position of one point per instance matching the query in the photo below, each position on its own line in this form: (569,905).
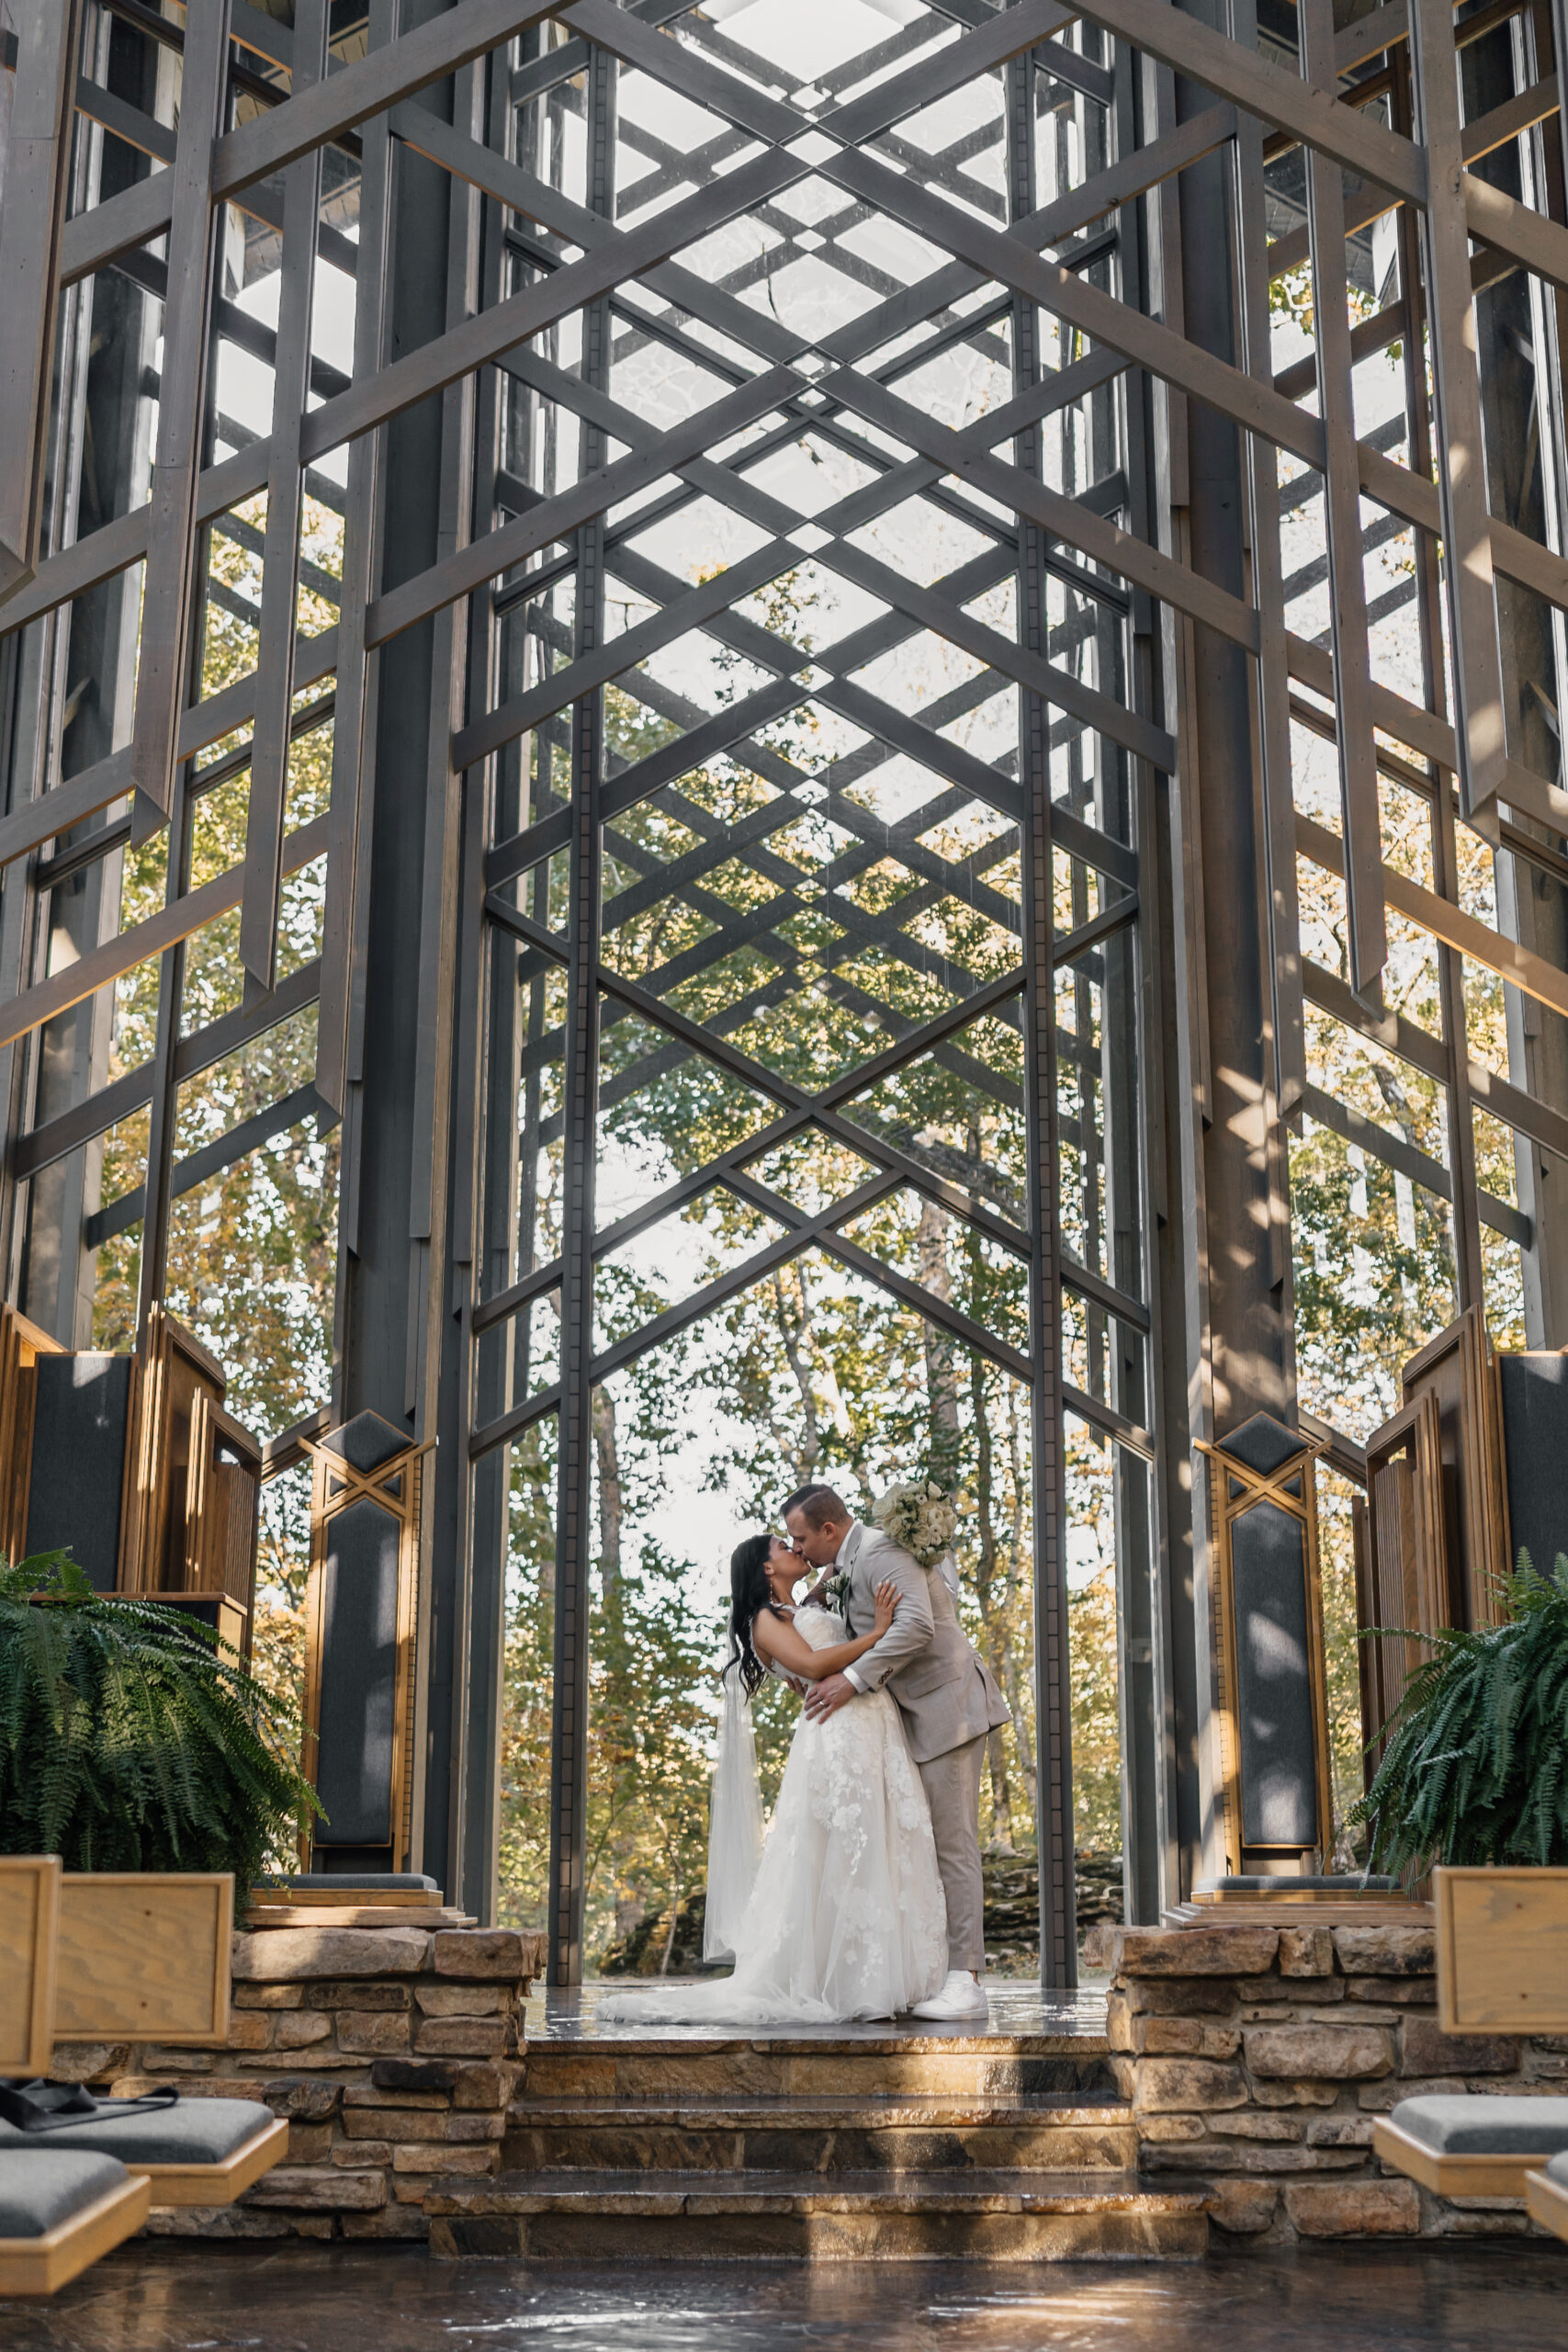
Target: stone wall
(1257,2059)
(393,2053)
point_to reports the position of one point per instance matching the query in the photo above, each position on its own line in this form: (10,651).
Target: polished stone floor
(1019,2009)
(1458,2298)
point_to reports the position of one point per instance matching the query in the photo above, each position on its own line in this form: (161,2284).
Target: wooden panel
(42,2265)
(1502,1950)
(1408,1583)
(30,1910)
(21,1344)
(1369,1664)
(1548,2203)
(175,1378)
(1458,1369)
(144,1956)
(222,1504)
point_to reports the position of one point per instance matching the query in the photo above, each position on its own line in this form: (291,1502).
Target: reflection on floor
(1017,2011)
(1453,2298)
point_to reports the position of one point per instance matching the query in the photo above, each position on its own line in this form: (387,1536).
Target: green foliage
(128,1743)
(1476,1767)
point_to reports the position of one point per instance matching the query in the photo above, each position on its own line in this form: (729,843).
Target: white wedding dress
(846,1918)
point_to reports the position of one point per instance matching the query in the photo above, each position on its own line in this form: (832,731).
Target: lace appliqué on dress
(847,1918)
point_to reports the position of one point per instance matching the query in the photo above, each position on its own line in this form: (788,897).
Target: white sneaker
(963,1995)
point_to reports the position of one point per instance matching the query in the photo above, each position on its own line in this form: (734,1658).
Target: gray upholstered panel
(1274,1709)
(192,2132)
(40,2188)
(359,1644)
(82,1410)
(1264,1444)
(1479,2125)
(367,1442)
(1534,1452)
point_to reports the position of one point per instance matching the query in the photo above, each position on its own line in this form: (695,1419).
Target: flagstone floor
(1508,2296)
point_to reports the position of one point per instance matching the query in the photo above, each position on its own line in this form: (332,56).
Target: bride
(845,1916)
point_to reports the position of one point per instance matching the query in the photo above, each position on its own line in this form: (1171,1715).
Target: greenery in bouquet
(920,1514)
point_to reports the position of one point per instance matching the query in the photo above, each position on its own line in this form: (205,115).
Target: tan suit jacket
(925,1661)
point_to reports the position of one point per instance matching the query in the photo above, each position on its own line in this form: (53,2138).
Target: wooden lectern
(131,1462)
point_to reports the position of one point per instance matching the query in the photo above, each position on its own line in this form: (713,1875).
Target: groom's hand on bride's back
(825,1698)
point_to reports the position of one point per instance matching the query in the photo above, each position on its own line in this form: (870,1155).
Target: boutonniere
(835,1592)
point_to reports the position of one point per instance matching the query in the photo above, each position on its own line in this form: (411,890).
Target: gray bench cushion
(1479,2125)
(192,2132)
(354,1883)
(1557,2170)
(39,2190)
(1341,1882)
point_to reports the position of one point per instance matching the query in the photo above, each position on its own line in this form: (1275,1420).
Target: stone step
(660,2068)
(1004,2216)
(933,2132)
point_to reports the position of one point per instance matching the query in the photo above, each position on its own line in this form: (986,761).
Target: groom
(947,1698)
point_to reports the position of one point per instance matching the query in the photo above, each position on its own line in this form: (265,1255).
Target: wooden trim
(1546,2202)
(43,2265)
(1407,1549)
(29,1916)
(144,1956)
(21,1344)
(221,1514)
(220,2184)
(1482,1528)
(348,1915)
(273,1898)
(1502,1939)
(334,1485)
(1225,1509)
(1450,2175)
(185,1526)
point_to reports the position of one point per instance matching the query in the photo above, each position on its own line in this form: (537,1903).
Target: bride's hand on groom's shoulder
(887,1605)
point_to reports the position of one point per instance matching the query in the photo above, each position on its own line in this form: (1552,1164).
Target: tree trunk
(941,1377)
(985,1593)
(1013,1680)
(792,1330)
(674,1920)
(610,1498)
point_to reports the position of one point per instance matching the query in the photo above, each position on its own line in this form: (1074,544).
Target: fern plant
(127,1742)
(1476,1766)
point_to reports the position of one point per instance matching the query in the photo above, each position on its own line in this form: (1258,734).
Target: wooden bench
(1502,1938)
(59,2210)
(115,1957)
(1546,2195)
(146,1958)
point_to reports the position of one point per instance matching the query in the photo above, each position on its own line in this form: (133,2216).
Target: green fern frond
(1475,1769)
(128,1741)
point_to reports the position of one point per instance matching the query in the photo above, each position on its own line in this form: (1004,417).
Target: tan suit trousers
(953,1791)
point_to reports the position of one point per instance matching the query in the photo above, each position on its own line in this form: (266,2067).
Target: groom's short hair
(818,1504)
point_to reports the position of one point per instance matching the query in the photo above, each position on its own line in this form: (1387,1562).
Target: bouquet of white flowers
(920,1515)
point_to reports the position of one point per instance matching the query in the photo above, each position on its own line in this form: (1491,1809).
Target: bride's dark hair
(749,1592)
